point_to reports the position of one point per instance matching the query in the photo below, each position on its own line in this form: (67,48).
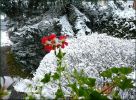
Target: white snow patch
(2,17)
(66,27)
(7,81)
(5,41)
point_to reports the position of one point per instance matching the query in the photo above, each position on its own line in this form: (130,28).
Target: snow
(7,81)
(5,41)
(66,27)
(80,22)
(128,12)
(92,53)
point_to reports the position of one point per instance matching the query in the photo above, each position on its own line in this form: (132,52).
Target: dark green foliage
(60,55)
(125,83)
(83,79)
(28,51)
(116,96)
(105,21)
(11,7)
(94,95)
(59,94)
(119,78)
(125,70)
(56,76)
(73,87)
(122,70)
(46,78)
(60,69)
(16,8)
(14,67)
(107,74)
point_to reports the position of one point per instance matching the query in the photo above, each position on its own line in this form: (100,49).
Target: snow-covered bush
(98,53)
(114,19)
(27,48)
(78,20)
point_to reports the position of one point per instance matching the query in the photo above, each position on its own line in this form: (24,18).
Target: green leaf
(59,94)
(84,91)
(60,69)
(125,84)
(89,81)
(56,76)
(114,70)
(125,70)
(60,54)
(76,75)
(106,73)
(94,95)
(75,72)
(64,54)
(81,91)
(116,80)
(73,87)
(46,78)
(116,96)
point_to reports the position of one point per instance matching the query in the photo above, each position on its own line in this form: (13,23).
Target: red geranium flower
(63,38)
(49,42)
(63,44)
(48,48)
(58,45)
(63,41)
(52,37)
(44,40)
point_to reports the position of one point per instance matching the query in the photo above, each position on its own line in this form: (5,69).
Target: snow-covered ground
(92,53)
(5,41)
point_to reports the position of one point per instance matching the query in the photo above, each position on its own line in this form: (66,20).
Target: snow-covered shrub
(98,53)
(112,18)
(78,20)
(27,48)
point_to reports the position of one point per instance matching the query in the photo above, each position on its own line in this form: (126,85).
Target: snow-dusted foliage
(78,20)
(92,53)
(111,18)
(27,47)
(123,9)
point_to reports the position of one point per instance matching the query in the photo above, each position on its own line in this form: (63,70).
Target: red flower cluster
(51,43)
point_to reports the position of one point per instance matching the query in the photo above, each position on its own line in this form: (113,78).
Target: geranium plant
(81,86)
